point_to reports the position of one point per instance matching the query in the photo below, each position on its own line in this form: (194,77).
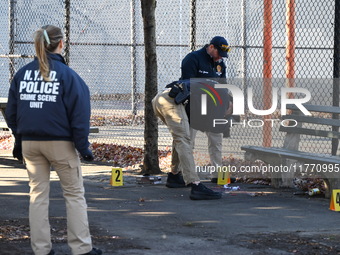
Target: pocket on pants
(70,175)
(73,163)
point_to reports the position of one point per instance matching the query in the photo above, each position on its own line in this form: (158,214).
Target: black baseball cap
(221,45)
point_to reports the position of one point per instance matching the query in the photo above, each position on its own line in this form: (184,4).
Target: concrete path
(153,219)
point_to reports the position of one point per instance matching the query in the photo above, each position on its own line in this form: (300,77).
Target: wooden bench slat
(316,108)
(94,130)
(313,132)
(312,158)
(314,120)
(3,126)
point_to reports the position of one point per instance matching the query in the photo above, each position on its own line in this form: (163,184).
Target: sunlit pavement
(160,220)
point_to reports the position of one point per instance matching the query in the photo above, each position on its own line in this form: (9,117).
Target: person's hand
(17,150)
(87,156)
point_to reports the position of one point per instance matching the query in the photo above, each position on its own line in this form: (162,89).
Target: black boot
(201,192)
(175,181)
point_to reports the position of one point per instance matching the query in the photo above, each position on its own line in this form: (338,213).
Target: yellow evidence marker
(117,176)
(335,200)
(223,177)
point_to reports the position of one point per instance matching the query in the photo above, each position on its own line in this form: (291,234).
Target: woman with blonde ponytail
(46,40)
(48,112)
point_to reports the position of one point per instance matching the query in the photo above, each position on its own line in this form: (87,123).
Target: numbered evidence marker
(335,200)
(117,176)
(223,177)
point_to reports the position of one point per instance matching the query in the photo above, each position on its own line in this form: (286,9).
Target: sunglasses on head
(224,47)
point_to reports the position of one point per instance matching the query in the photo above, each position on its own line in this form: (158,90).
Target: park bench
(94,130)
(4,127)
(3,124)
(317,127)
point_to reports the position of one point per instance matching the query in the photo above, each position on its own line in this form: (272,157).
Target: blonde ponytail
(46,40)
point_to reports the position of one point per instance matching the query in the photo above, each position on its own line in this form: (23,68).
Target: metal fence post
(134,96)
(11,38)
(267,68)
(67,31)
(290,43)
(244,49)
(336,70)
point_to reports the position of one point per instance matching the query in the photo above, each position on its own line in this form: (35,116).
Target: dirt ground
(15,240)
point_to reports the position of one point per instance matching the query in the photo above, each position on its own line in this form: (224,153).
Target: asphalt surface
(152,219)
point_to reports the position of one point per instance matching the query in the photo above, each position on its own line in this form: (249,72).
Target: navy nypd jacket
(49,110)
(199,64)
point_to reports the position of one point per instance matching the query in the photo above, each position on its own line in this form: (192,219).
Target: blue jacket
(199,64)
(191,96)
(43,111)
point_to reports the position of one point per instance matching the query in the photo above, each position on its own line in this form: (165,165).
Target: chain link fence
(269,39)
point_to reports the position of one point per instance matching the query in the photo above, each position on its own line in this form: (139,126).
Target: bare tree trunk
(151,163)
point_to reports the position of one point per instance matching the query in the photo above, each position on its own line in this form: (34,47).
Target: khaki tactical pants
(176,119)
(40,157)
(214,148)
